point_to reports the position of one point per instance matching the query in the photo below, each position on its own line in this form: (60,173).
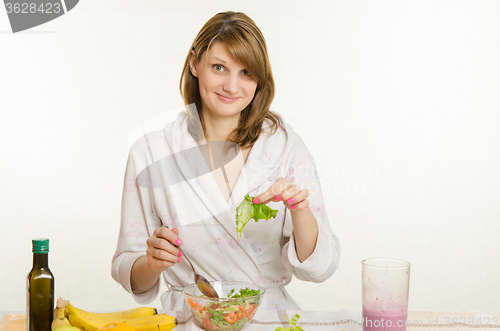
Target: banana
(87,321)
(141,319)
(131,313)
(159,322)
(91,322)
(59,315)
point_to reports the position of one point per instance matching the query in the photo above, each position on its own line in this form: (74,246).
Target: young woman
(182,186)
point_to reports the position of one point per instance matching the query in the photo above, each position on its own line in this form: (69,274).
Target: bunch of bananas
(140,319)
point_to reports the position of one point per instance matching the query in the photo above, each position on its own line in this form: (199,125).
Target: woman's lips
(226,99)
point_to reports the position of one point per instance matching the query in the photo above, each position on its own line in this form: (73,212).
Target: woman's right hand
(162,251)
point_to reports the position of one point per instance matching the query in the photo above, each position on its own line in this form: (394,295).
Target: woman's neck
(218,128)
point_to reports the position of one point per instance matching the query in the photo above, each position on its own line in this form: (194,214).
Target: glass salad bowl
(235,307)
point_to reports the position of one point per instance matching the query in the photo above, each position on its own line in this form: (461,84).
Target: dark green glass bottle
(40,289)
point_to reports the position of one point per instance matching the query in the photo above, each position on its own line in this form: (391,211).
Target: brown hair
(247,44)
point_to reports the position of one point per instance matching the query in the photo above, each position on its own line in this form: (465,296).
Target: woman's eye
(218,67)
(245,72)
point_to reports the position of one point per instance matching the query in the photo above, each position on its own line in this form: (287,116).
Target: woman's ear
(193,63)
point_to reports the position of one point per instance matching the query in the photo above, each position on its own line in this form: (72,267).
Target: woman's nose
(231,84)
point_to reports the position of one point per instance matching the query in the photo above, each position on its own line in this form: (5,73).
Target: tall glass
(385,294)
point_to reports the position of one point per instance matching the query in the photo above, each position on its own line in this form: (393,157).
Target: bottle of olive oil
(40,289)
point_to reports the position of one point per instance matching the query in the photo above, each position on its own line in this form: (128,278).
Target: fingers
(162,251)
(169,235)
(274,192)
(298,201)
(176,231)
(283,190)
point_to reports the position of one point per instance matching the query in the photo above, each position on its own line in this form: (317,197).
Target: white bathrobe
(265,255)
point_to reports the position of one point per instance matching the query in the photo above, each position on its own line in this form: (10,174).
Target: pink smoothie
(384,320)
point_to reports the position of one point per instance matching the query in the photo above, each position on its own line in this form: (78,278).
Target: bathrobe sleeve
(138,221)
(323,262)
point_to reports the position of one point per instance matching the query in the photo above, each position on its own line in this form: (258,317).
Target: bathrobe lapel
(190,160)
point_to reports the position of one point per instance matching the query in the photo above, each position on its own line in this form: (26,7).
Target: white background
(397,100)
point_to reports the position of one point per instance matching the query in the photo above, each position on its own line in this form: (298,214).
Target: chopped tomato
(241,313)
(251,310)
(231,317)
(193,304)
(207,325)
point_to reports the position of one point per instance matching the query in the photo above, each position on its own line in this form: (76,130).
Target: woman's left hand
(283,190)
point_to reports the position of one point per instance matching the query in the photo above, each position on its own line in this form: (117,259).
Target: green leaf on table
(293,323)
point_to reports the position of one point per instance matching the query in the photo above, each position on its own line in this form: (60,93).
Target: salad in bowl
(235,307)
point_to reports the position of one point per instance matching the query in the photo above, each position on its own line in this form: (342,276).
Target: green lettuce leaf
(243,293)
(263,212)
(247,210)
(244,212)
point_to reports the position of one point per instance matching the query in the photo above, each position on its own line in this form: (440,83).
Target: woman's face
(226,86)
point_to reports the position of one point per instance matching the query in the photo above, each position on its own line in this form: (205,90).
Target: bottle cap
(41,246)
